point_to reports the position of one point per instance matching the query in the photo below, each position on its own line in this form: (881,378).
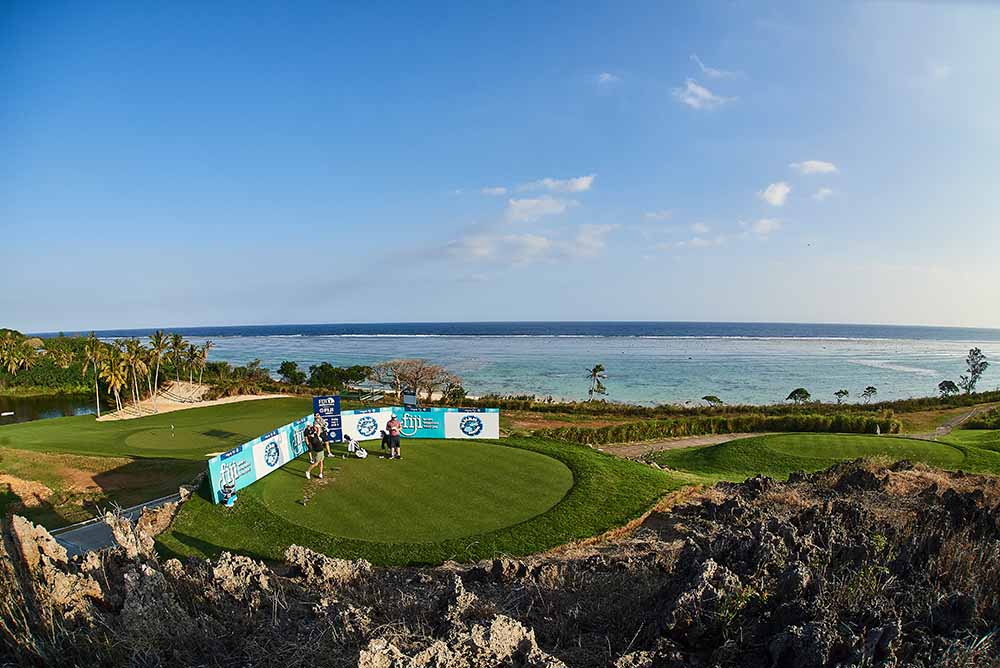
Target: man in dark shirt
(318,448)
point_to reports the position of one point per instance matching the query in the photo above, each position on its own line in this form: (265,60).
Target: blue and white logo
(471,425)
(271,453)
(367,426)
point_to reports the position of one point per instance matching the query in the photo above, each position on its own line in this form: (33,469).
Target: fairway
(779,455)
(439,490)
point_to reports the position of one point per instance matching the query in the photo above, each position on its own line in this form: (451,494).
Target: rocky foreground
(859,565)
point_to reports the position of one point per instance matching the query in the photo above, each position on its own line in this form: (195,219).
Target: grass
(606,493)
(778,456)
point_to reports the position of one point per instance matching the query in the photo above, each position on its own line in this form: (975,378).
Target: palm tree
(133,356)
(192,358)
(596,376)
(158,344)
(177,348)
(114,371)
(93,354)
(203,362)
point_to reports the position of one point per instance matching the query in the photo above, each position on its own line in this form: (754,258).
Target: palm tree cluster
(16,353)
(129,364)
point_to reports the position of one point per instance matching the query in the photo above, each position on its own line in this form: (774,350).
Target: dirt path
(636,450)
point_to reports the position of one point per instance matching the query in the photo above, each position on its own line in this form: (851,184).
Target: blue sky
(172,164)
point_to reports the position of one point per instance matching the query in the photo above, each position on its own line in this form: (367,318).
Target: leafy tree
(325,374)
(841,395)
(114,371)
(290,373)
(454,393)
(203,360)
(158,345)
(596,377)
(417,374)
(194,358)
(869,393)
(712,400)
(947,388)
(799,395)
(975,365)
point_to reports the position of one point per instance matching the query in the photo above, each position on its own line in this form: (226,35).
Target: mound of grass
(607,492)
(778,456)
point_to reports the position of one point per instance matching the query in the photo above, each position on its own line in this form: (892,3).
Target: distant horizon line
(513,322)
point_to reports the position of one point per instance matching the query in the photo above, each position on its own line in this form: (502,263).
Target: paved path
(636,450)
(95,534)
(952,424)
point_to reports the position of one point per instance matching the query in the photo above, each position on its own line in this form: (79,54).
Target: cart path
(952,424)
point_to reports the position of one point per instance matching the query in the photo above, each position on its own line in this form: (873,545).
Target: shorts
(316,457)
(393,441)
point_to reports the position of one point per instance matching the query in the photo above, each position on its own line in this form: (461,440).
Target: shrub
(645,430)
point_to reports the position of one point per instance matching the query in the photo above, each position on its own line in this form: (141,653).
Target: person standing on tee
(318,448)
(394,427)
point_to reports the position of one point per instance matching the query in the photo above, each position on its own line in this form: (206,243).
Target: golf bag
(355,448)
(385,438)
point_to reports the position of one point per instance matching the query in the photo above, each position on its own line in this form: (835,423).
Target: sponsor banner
(366,424)
(328,408)
(460,423)
(248,463)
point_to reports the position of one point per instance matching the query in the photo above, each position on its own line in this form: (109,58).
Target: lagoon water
(646,362)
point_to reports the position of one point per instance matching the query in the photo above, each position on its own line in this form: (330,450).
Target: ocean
(646,362)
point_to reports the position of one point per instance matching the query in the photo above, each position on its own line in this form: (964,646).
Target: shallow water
(646,362)
(26,409)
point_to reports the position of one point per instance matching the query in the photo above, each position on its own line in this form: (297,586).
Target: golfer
(393,427)
(318,448)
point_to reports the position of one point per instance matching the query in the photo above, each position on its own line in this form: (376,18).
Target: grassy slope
(607,492)
(780,455)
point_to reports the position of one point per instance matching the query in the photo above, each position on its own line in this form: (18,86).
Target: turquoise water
(646,363)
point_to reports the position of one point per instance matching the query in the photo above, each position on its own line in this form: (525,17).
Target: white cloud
(697,96)
(710,72)
(776,193)
(578,184)
(494,191)
(822,194)
(763,227)
(607,78)
(591,240)
(699,228)
(506,249)
(814,167)
(659,216)
(531,209)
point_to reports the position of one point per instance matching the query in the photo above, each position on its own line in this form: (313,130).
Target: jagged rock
(793,582)
(135,542)
(242,578)
(150,612)
(155,521)
(954,612)
(320,569)
(697,610)
(382,654)
(807,646)
(34,544)
(879,641)
(456,603)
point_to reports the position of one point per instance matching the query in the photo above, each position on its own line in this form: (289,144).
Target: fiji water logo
(471,425)
(367,426)
(271,454)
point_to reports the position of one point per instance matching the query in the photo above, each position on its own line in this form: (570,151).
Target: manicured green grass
(779,455)
(606,492)
(189,434)
(984,439)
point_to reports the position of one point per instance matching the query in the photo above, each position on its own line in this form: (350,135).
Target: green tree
(93,357)
(291,374)
(597,378)
(869,393)
(841,395)
(178,348)
(975,365)
(799,395)
(203,362)
(158,345)
(114,372)
(712,400)
(193,358)
(947,388)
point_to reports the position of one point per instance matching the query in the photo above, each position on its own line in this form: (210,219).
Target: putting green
(438,490)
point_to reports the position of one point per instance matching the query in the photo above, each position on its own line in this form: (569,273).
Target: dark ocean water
(647,362)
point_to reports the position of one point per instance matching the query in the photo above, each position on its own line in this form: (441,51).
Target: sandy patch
(31,493)
(164,404)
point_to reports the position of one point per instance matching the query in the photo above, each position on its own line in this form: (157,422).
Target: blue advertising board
(328,408)
(251,461)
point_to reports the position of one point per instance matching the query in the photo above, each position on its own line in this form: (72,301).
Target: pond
(26,409)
